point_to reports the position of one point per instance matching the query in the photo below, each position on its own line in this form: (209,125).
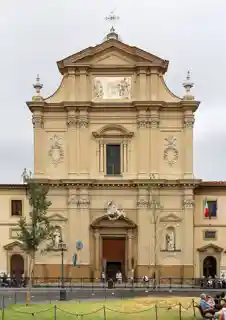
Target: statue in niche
(56,237)
(170,240)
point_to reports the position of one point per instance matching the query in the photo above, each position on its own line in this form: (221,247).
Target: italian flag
(206,209)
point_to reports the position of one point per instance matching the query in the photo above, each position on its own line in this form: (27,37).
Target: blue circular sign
(79,245)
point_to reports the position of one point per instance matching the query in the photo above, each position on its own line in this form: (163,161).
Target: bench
(205,315)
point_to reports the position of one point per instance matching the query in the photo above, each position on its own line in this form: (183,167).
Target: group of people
(215,307)
(11,282)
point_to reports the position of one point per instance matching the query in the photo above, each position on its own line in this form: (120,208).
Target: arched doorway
(210,266)
(16,266)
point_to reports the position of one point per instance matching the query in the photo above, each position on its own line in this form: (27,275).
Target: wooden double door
(114,256)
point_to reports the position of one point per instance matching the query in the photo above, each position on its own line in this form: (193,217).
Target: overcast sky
(36,34)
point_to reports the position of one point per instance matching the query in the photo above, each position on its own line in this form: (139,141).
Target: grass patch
(139,308)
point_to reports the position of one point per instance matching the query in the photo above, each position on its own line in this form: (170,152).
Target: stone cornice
(189,105)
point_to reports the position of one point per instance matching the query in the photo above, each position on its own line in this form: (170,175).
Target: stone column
(154,151)
(72,144)
(39,165)
(188,144)
(143,145)
(143,231)
(101,157)
(84,142)
(125,160)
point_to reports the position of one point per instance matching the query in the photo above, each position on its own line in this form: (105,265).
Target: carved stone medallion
(56,151)
(171,153)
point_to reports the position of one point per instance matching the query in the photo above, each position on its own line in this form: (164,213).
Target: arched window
(170,239)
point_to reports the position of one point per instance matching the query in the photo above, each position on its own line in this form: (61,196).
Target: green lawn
(140,308)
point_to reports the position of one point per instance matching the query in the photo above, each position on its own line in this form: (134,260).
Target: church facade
(115,145)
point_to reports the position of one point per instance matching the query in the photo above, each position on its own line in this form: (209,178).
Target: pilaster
(83,84)
(142,84)
(83,123)
(143,144)
(154,151)
(188,144)
(84,227)
(38,124)
(143,227)
(73,147)
(188,227)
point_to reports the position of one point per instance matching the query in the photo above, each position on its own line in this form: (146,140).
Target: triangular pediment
(105,222)
(210,248)
(13,245)
(57,217)
(170,218)
(109,53)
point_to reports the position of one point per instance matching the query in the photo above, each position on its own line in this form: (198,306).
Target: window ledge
(175,250)
(113,175)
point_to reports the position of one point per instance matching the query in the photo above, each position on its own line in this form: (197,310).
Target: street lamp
(62,247)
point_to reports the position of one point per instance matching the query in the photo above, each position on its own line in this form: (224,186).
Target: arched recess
(113,135)
(210,266)
(120,230)
(16,265)
(170,238)
(15,249)
(210,250)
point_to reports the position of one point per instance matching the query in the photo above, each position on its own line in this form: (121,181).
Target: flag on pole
(206,209)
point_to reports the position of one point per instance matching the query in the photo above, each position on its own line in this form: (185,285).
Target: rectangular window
(212,208)
(113,159)
(16,208)
(209,235)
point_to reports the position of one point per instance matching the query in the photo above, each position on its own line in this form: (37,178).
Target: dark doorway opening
(210,267)
(16,266)
(112,269)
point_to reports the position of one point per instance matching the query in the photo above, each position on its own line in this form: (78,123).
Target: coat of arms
(113,212)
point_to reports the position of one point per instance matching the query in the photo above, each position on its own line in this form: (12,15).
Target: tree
(35,230)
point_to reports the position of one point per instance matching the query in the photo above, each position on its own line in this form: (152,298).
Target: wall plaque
(112,88)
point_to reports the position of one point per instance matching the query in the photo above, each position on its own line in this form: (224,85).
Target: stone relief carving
(113,212)
(189,122)
(112,88)
(188,203)
(37,121)
(171,153)
(170,240)
(142,202)
(56,151)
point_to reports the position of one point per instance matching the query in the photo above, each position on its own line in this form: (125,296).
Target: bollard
(156,312)
(54,312)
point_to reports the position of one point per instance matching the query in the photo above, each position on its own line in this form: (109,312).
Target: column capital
(72,121)
(142,122)
(189,122)
(83,122)
(188,203)
(37,121)
(142,203)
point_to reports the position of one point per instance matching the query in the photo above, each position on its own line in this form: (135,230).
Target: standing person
(119,277)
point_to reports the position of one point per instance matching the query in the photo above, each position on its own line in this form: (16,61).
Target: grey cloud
(34,36)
